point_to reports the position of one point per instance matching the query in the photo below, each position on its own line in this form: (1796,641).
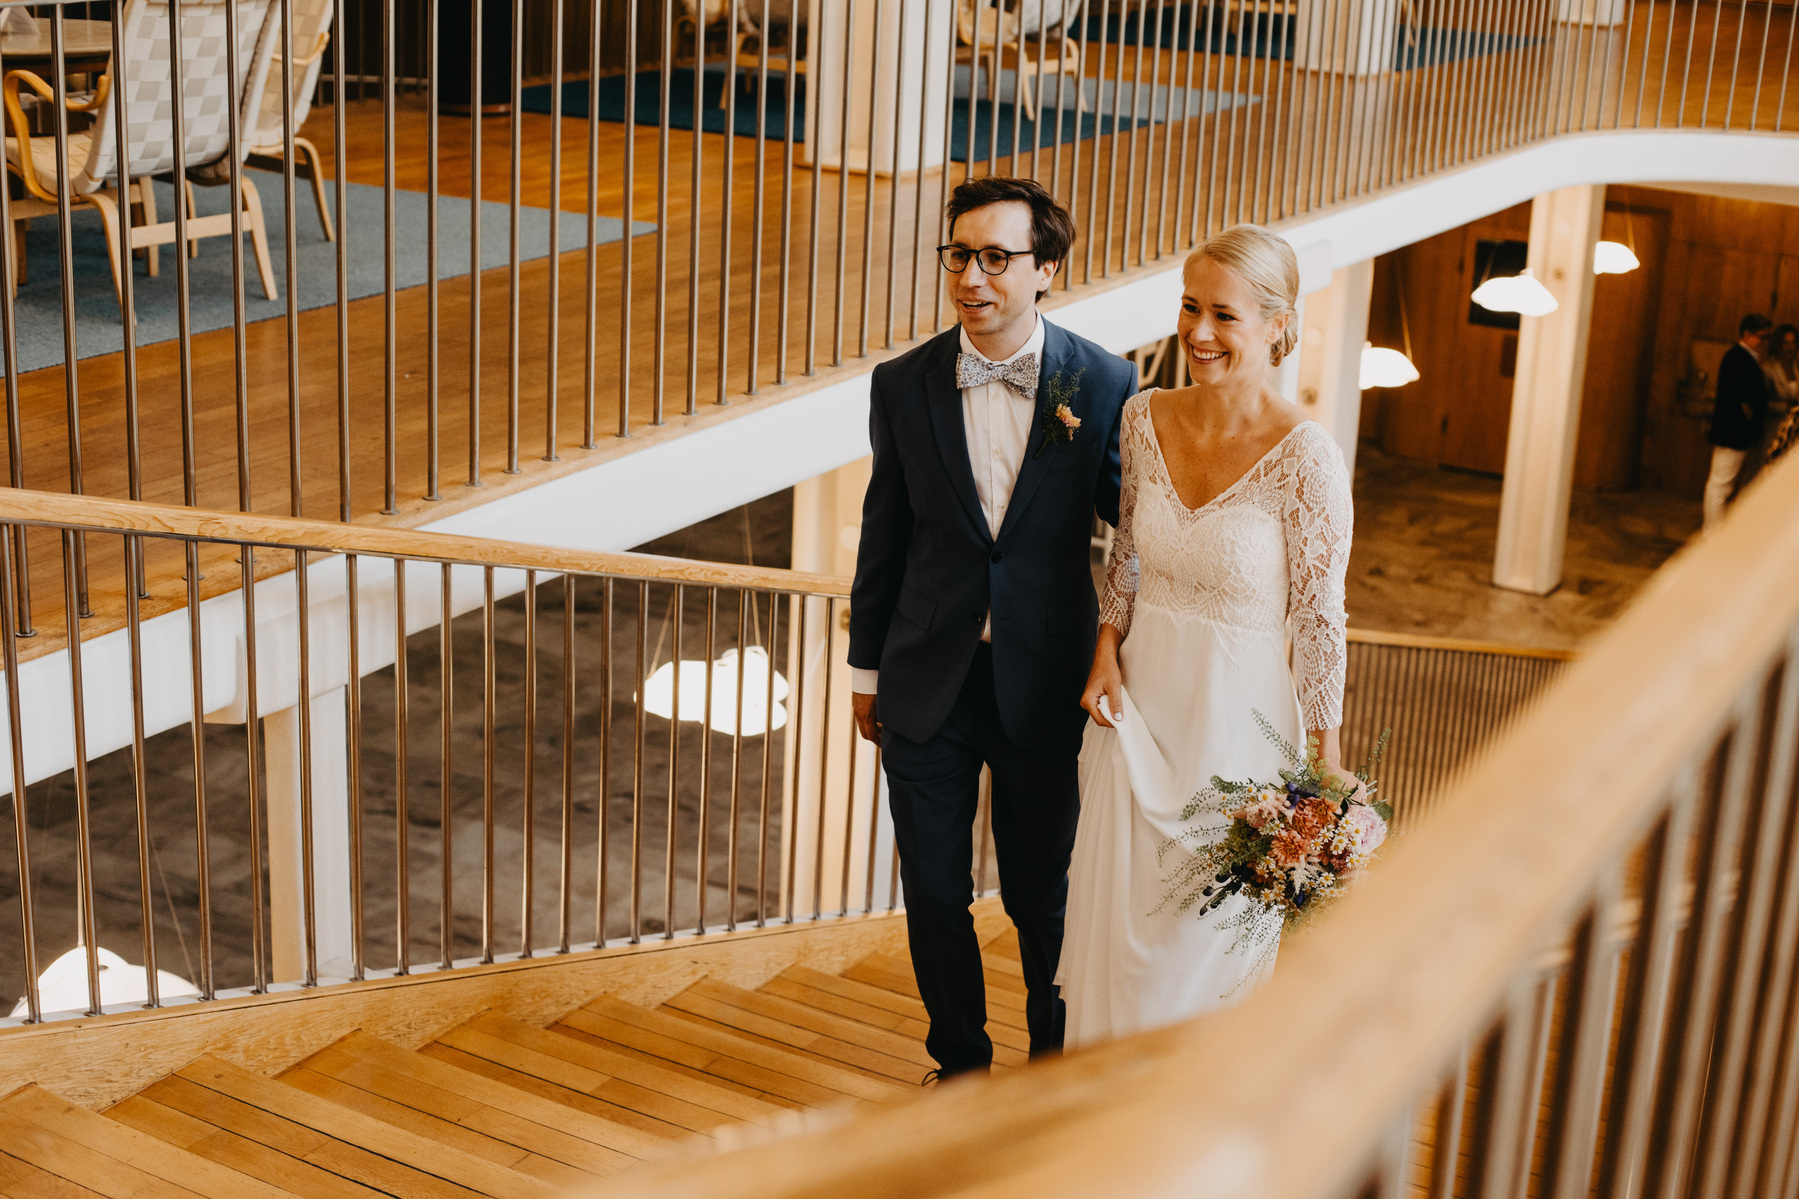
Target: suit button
(997,555)
(976,618)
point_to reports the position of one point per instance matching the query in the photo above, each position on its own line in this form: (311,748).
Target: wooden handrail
(1289,1095)
(1459,645)
(161,520)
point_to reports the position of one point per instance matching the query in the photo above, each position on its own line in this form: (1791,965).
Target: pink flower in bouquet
(1367,827)
(1267,805)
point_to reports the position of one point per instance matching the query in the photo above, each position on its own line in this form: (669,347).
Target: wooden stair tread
(338,1123)
(848,1084)
(662,1094)
(825,1050)
(778,1101)
(549,1129)
(872,1005)
(19,1179)
(765,1008)
(660,1130)
(164,1168)
(237,1152)
(635,1040)
(73,1162)
(448,1133)
(893,973)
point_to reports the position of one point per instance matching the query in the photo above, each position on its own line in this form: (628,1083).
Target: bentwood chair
(987,33)
(786,24)
(311,36)
(92,165)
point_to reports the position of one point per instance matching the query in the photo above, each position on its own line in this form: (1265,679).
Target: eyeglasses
(993,260)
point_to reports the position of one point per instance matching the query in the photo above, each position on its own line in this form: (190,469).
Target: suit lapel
(943,400)
(1035,466)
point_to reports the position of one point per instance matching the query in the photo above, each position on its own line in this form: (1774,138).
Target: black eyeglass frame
(974,256)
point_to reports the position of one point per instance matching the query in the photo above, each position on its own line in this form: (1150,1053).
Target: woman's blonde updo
(1264,260)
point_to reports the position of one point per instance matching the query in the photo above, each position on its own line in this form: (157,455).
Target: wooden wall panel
(1620,355)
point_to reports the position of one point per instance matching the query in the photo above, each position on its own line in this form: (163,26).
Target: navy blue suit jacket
(928,571)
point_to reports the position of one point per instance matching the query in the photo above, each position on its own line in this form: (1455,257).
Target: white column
(330,839)
(926,45)
(1552,365)
(827,523)
(1591,12)
(1355,37)
(1335,323)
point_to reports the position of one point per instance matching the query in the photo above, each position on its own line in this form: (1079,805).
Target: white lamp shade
(63,987)
(1519,293)
(659,693)
(1613,258)
(1382,367)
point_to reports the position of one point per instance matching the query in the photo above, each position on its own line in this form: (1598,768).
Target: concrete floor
(1423,554)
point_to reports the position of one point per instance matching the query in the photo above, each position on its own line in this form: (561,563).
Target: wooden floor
(502,1108)
(738,313)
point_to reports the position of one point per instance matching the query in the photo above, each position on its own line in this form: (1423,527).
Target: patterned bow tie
(1020,374)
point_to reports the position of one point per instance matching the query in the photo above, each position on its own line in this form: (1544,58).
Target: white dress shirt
(996,421)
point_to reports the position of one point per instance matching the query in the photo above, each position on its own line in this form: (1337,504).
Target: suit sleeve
(886,530)
(1105,492)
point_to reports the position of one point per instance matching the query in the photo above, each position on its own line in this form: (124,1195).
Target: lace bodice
(1267,554)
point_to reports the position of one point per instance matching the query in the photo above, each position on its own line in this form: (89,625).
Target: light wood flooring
(502,1108)
(737,314)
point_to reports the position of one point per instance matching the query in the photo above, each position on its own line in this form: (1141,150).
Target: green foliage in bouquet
(1289,845)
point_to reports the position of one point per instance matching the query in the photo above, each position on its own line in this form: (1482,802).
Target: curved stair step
(892,972)
(805,1030)
(86,1149)
(240,1153)
(685,1104)
(719,1050)
(338,1138)
(882,1009)
(20,1179)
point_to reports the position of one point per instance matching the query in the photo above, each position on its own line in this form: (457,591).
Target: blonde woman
(1234,530)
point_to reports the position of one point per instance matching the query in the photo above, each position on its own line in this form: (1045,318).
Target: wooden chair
(312,34)
(789,16)
(998,32)
(92,165)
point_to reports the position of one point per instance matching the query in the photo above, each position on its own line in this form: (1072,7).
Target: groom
(973,616)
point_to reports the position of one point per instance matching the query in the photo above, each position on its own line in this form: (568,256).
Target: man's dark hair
(1755,322)
(1052,229)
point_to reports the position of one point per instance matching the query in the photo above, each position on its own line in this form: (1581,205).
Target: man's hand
(863,705)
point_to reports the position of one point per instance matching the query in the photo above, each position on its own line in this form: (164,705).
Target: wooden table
(86,46)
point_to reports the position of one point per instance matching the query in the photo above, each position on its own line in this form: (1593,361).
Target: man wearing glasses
(973,615)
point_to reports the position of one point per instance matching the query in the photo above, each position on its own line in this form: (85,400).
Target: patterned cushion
(43,155)
(207,91)
(311,19)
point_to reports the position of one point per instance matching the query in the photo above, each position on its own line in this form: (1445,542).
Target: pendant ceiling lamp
(1384,367)
(1520,293)
(1613,258)
(63,986)
(659,693)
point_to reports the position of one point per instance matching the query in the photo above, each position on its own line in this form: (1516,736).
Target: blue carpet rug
(1100,102)
(98,328)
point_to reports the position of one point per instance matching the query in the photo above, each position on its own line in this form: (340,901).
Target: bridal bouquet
(1290,845)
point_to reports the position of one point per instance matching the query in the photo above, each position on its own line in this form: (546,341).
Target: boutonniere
(1058,419)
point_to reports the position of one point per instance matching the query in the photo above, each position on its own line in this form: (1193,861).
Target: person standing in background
(1739,414)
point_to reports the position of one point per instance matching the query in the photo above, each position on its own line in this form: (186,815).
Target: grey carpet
(98,328)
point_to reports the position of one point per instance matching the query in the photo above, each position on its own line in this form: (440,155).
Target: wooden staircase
(495,1106)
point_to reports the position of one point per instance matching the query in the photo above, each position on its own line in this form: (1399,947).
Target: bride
(1234,527)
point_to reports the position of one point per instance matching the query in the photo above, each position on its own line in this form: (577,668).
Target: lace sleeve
(1121,567)
(1319,519)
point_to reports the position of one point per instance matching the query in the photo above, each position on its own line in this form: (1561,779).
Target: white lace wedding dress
(1205,597)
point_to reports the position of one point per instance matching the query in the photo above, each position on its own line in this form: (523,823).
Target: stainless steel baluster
(694,208)
(591,329)
(628,180)
(514,212)
(874,830)
(402,792)
(671,821)
(11,540)
(71,372)
(843,181)
(353,755)
(489,701)
(1761,66)
(768,756)
(308,881)
(1074,153)
(1167,136)
(1191,8)
(1202,227)
(743,603)
(1686,73)
(1037,84)
(603,867)
(868,181)
(433,301)
(637,685)
(291,245)
(140,790)
(253,761)
(566,876)
(1130,161)
(1786,73)
(528,847)
(702,867)
(974,90)
(552,385)
(1017,82)
(849,820)
(727,215)
(478,97)
(658,375)
(814,151)
(1105,266)
(796,670)
(86,923)
(824,742)
(893,190)
(127,279)
(759,202)
(785,287)
(19,622)
(446,817)
(389,299)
